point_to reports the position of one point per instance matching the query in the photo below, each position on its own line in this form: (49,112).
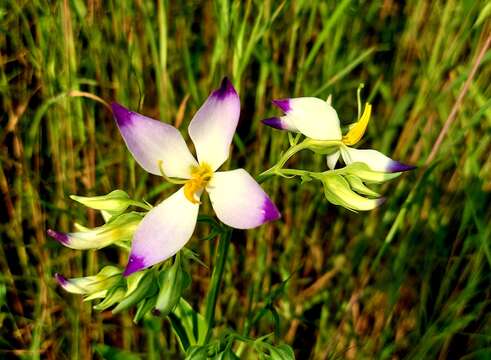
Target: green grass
(410,280)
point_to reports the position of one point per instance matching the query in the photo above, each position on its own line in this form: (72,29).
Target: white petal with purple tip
(213,126)
(239,201)
(162,232)
(151,141)
(280,123)
(374,159)
(314,118)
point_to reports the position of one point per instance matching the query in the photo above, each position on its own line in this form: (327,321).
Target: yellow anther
(200,176)
(357,129)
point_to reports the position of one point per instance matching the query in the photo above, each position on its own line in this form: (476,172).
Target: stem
(284,158)
(216,280)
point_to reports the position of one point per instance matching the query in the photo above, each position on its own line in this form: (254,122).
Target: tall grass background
(410,280)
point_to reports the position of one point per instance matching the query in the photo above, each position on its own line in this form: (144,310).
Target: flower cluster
(318,121)
(153,235)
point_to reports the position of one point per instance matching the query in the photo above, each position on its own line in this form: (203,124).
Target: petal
(239,201)
(332,159)
(313,117)
(213,126)
(162,232)
(282,123)
(374,159)
(151,141)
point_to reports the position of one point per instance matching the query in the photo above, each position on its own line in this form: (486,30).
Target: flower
(318,120)
(160,149)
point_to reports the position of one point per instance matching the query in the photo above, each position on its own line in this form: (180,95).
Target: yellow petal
(357,130)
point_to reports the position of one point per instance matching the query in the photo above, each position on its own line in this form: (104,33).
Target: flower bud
(338,191)
(118,230)
(357,185)
(140,285)
(116,201)
(113,296)
(364,172)
(144,307)
(94,286)
(172,282)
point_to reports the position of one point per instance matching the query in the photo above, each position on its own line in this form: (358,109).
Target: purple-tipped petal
(239,201)
(283,104)
(163,232)
(151,142)
(274,122)
(270,211)
(374,159)
(396,166)
(62,238)
(311,116)
(226,89)
(135,264)
(213,126)
(62,281)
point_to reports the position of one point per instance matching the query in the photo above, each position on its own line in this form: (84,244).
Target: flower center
(200,176)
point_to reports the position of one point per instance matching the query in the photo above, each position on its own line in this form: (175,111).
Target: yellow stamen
(357,129)
(200,176)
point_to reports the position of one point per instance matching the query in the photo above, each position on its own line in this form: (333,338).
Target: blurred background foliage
(410,280)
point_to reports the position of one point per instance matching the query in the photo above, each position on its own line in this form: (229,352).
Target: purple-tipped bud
(61,279)
(283,104)
(396,166)
(274,122)
(62,238)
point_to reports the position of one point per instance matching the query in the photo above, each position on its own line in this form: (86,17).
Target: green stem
(216,280)
(284,158)
(314,145)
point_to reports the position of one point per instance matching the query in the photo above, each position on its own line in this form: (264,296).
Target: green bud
(358,186)
(172,282)
(140,286)
(115,202)
(364,172)
(144,307)
(113,296)
(338,191)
